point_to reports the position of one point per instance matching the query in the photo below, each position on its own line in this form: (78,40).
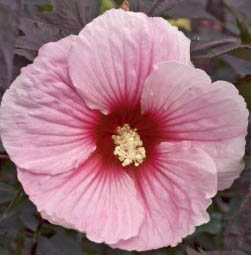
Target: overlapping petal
(98,199)
(189,107)
(175,187)
(228,156)
(45,126)
(115,53)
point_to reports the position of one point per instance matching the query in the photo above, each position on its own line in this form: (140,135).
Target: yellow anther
(129,147)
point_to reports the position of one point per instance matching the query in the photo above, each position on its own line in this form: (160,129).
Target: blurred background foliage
(220,31)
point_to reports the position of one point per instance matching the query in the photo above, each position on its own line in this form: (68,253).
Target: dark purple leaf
(67,244)
(245,33)
(9,18)
(242,6)
(67,17)
(244,87)
(248,138)
(1,147)
(153,7)
(28,216)
(59,244)
(210,49)
(192,9)
(36,33)
(238,231)
(232,252)
(4,251)
(45,247)
(72,15)
(7,193)
(240,66)
(242,53)
(28,54)
(216,8)
(191,251)
(31,8)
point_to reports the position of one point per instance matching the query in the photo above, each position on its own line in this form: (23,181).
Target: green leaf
(244,31)
(244,87)
(106,5)
(45,7)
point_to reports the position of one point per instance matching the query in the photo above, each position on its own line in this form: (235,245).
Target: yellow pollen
(129,147)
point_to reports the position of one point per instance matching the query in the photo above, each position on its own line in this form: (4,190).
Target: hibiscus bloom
(116,134)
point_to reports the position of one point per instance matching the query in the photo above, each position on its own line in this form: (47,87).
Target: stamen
(129,147)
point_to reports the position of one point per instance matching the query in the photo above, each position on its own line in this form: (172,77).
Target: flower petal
(45,126)
(228,156)
(189,107)
(97,199)
(175,187)
(114,54)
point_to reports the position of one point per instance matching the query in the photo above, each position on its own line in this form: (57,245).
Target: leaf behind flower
(244,87)
(9,18)
(72,15)
(238,232)
(210,49)
(153,8)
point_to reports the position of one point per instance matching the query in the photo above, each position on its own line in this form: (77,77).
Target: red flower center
(147,126)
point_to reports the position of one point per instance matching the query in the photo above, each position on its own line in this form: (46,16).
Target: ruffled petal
(114,54)
(189,107)
(97,199)
(45,126)
(175,187)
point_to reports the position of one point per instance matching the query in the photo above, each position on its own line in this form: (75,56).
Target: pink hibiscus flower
(116,134)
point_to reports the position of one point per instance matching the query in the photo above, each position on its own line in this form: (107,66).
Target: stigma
(128,146)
